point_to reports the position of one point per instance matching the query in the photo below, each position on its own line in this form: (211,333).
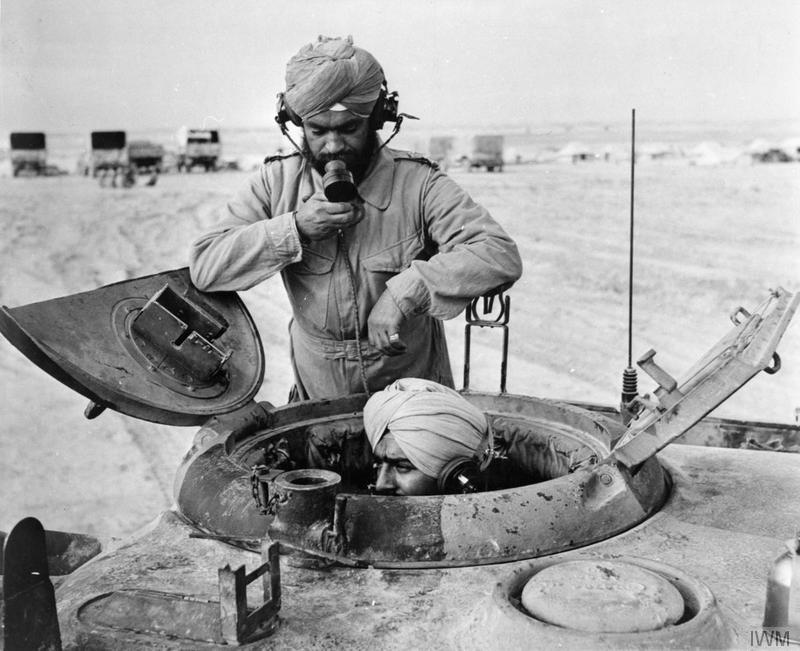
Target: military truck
(439,150)
(145,156)
(487,151)
(198,147)
(108,152)
(28,153)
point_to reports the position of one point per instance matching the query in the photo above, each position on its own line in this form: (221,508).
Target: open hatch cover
(155,347)
(676,406)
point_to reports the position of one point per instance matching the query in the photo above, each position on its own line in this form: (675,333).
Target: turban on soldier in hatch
(431,423)
(332,72)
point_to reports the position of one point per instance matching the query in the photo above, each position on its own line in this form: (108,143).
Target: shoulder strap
(417,158)
(270,159)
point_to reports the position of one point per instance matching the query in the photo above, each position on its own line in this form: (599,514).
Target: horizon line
(510,124)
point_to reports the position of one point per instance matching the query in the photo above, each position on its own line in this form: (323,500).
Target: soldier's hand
(383,326)
(317,218)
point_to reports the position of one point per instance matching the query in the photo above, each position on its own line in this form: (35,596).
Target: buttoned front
(422,239)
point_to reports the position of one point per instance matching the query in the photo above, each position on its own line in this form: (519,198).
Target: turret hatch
(155,347)
(675,406)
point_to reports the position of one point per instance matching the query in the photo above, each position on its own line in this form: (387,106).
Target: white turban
(431,423)
(332,71)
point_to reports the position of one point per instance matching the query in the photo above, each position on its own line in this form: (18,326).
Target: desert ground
(707,240)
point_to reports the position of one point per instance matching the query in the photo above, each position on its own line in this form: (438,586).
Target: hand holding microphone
(325,213)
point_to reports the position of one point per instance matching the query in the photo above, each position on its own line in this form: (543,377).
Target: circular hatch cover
(155,347)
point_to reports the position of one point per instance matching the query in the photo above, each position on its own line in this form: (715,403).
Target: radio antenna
(629,379)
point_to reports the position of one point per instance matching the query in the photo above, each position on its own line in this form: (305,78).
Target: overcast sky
(73,65)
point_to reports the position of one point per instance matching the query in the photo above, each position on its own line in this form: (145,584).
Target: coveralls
(422,239)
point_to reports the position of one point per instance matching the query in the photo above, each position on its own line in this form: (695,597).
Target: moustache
(344,156)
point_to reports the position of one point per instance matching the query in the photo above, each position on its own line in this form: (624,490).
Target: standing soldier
(369,279)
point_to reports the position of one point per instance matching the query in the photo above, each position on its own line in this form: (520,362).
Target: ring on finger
(394,337)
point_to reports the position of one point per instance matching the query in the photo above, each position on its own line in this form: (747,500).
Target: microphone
(338,183)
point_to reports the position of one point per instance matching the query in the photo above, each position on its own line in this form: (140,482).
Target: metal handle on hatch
(486,319)
(775,366)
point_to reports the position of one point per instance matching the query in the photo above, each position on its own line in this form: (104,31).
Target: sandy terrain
(708,239)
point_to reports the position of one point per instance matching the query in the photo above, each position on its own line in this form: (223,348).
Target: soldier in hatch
(419,432)
(418,437)
(369,280)
(428,439)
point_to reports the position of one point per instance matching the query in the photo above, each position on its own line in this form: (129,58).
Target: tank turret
(440,571)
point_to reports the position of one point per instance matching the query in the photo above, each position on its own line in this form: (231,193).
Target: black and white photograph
(438,324)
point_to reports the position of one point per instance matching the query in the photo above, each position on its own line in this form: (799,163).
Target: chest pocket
(395,258)
(318,258)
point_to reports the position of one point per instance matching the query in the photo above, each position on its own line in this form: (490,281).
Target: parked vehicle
(108,152)
(487,151)
(439,150)
(145,156)
(198,147)
(28,153)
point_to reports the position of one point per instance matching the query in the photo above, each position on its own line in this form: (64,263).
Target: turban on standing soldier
(369,280)
(332,72)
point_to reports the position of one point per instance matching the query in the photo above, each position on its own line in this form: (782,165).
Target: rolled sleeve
(409,293)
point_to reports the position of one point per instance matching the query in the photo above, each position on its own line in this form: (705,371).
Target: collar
(376,187)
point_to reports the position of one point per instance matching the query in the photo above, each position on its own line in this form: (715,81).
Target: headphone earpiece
(385,109)
(284,114)
(460,475)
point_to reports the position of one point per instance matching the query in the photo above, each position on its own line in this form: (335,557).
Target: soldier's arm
(248,245)
(474,254)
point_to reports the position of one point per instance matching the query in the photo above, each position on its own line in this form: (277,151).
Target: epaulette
(418,159)
(269,159)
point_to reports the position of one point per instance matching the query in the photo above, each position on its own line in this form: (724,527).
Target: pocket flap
(394,258)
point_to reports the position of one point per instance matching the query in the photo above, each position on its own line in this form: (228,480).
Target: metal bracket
(739,316)
(237,624)
(667,392)
(135,616)
(333,539)
(260,477)
(175,336)
(486,319)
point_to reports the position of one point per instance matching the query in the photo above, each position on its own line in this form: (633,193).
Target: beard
(357,161)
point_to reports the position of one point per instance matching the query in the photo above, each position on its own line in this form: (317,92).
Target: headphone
(385,110)
(460,475)
(466,474)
